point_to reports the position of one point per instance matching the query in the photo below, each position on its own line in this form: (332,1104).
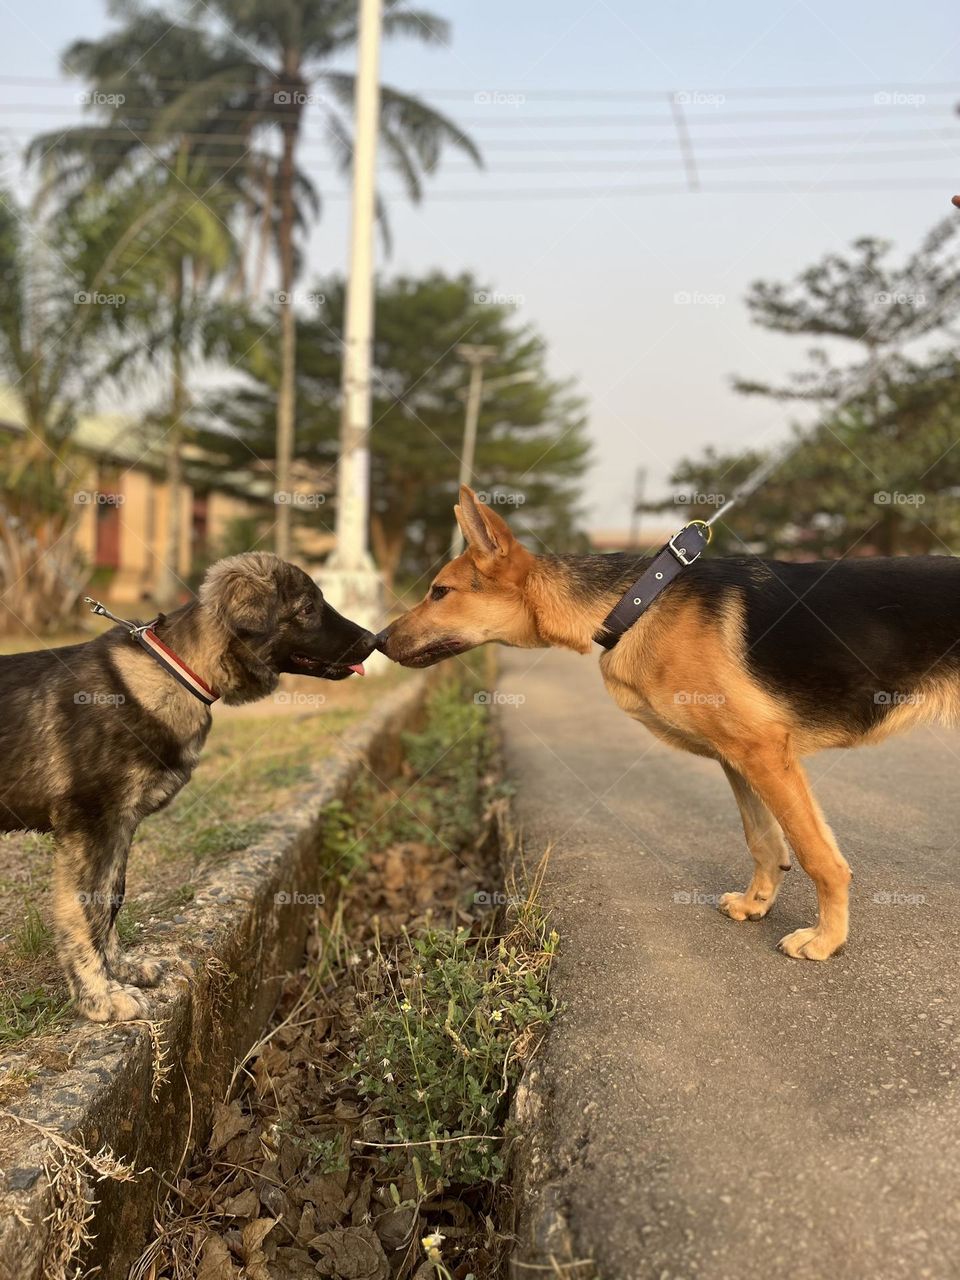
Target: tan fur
(682,673)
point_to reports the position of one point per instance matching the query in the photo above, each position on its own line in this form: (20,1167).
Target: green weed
(28,1013)
(33,938)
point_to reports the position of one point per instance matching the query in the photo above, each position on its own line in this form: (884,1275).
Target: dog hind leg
(82,923)
(126,969)
(766,843)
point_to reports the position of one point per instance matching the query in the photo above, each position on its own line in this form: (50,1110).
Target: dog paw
(117,1004)
(743,906)
(138,973)
(810,944)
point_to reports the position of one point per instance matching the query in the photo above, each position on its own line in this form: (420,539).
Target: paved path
(717,1110)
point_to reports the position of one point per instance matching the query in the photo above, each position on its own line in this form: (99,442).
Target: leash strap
(674,556)
(148,640)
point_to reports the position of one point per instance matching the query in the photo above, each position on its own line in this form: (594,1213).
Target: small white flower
(431,1244)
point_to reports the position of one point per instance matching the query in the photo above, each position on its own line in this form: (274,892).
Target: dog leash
(149,641)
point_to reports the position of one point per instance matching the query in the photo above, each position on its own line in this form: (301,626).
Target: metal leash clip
(102,611)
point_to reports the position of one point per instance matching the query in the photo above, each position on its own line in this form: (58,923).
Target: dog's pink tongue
(358,668)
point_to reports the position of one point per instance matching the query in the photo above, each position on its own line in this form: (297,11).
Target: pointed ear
(484,531)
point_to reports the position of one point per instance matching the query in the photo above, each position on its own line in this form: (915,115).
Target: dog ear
(484,531)
(242,591)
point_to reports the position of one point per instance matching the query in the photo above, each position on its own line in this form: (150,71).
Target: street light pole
(349,576)
(476,357)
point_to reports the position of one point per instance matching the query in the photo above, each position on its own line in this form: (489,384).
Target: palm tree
(169,249)
(167,200)
(164,90)
(54,359)
(283,49)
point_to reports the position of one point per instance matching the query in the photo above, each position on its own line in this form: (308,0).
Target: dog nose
(380,639)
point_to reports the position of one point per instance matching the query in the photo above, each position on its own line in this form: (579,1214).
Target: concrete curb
(231,954)
(539,1156)
(536,1164)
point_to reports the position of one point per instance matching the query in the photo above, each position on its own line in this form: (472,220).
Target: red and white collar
(167,659)
(148,639)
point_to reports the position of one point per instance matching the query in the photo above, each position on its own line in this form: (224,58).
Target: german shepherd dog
(754,663)
(97,736)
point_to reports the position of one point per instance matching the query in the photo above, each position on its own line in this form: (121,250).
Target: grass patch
(289,773)
(227,838)
(443,1052)
(34,937)
(28,1013)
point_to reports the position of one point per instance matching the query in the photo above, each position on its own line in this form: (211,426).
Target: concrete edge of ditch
(226,964)
(540,1157)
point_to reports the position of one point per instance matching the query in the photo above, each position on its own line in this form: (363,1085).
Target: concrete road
(714,1109)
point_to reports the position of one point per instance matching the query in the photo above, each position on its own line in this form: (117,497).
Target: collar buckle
(681,552)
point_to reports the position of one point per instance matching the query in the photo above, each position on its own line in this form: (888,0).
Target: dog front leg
(82,923)
(771,856)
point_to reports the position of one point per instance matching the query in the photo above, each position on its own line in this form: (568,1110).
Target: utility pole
(639,486)
(476,357)
(349,576)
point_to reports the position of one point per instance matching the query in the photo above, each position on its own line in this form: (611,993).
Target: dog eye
(438,592)
(307,610)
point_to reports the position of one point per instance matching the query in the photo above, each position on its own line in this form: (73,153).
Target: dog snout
(358,647)
(381,638)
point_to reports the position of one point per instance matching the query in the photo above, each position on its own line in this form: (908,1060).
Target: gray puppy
(96,736)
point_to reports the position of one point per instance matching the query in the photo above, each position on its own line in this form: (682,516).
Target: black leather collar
(681,550)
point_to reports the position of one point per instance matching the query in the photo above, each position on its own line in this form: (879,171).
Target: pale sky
(576,96)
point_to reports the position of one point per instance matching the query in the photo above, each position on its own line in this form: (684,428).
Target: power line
(634,145)
(931,183)
(772,91)
(653,120)
(906,156)
(560,95)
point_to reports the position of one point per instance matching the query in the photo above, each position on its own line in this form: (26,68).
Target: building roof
(116,439)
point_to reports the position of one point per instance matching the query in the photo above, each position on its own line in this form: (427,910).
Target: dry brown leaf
(360,1209)
(215,1261)
(254,1234)
(351,1253)
(273,1200)
(291,1263)
(394,1228)
(228,1122)
(244,1205)
(307,1227)
(327,1192)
